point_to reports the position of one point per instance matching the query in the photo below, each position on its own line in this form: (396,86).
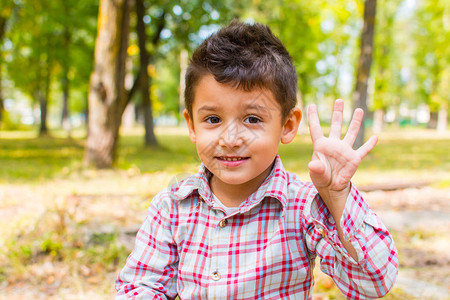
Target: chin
(234,180)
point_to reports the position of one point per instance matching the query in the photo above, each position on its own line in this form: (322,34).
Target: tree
(364,63)
(388,86)
(320,36)
(75,24)
(74,30)
(51,51)
(180,21)
(432,57)
(144,60)
(107,95)
(304,16)
(4,12)
(34,50)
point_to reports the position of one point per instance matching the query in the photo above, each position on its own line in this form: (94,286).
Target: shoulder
(169,197)
(296,184)
(299,190)
(290,183)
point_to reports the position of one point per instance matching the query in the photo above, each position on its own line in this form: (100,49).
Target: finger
(314,123)
(317,167)
(367,146)
(336,119)
(354,126)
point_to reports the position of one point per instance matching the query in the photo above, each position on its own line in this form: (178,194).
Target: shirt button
(322,232)
(223,223)
(215,275)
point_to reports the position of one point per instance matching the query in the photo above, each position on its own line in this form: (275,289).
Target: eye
(252,120)
(213,120)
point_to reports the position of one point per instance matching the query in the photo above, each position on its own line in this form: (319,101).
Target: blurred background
(90,126)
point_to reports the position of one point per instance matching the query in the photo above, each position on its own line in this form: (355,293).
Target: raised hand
(334,161)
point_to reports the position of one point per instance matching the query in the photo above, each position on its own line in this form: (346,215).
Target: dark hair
(247,57)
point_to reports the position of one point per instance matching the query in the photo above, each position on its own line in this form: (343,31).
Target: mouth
(232,158)
(232,161)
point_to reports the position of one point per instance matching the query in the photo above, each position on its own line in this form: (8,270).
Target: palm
(334,162)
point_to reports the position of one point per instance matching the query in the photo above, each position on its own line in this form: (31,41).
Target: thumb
(316,167)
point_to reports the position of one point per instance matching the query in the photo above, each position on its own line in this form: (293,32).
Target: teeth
(231,158)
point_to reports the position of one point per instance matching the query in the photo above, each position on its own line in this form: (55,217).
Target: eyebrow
(208,108)
(212,108)
(259,108)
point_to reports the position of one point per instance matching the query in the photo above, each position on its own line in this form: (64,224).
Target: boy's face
(237,133)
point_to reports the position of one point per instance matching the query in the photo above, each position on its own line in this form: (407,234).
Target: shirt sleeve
(374,274)
(151,269)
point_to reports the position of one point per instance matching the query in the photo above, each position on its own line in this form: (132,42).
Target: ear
(190,125)
(290,126)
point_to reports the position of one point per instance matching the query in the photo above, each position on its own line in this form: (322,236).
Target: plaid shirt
(188,247)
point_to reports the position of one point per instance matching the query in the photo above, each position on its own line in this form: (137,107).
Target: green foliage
(432,60)
(318,35)
(37,159)
(52,246)
(444,183)
(106,252)
(21,252)
(48,43)
(166,84)
(52,44)
(56,236)
(184,26)
(175,154)
(388,59)
(12,122)
(409,155)
(3,275)
(18,254)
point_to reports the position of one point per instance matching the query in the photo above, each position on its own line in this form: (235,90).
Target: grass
(33,160)
(175,153)
(409,155)
(37,159)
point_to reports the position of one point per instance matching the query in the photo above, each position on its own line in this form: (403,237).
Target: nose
(232,136)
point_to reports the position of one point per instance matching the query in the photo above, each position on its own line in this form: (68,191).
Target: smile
(231,158)
(232,161)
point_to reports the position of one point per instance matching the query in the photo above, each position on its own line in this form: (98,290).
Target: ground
(66,237)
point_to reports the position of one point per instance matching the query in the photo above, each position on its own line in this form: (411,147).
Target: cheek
(206,144)
(267,137)
(267,144)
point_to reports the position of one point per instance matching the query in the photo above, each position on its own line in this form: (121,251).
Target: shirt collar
(275,186)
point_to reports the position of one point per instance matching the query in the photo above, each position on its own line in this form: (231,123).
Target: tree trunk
(2,34)
(43,130)
(65,123)
(364,63)
(1,97)
(44,95)
(432,123)
(150,138)
(107,96)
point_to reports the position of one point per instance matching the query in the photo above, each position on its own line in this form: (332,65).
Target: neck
(232,195)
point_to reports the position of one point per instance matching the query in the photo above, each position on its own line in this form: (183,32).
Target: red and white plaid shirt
(188,247)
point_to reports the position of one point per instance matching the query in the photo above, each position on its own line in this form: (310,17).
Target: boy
(243,227)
